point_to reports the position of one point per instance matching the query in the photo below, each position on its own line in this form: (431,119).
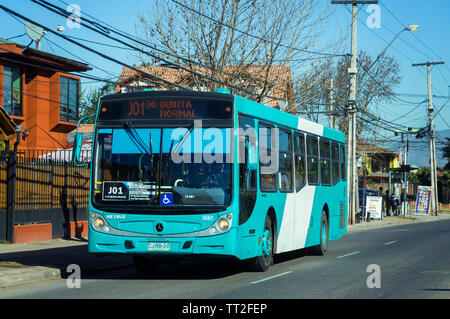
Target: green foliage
(90,99)
(421,177)
(446,151)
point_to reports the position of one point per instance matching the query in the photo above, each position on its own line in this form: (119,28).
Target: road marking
(391,242)
(271,277)
(354,253)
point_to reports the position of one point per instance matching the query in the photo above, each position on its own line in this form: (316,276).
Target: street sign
(374,207)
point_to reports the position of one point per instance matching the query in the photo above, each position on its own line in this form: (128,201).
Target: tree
(446,153)
(89,100)
(375,84)
(421,177)
(444,179)
(209,36)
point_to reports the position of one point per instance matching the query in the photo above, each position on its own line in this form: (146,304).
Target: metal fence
(41,187)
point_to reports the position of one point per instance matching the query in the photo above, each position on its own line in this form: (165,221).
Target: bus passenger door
(304,194)
(286,236)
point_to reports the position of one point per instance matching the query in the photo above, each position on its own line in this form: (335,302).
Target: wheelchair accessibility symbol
(166,199)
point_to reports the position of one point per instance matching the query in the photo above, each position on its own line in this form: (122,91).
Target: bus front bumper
(106,244)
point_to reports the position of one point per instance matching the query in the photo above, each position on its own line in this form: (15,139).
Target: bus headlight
(223,224)
(98,222)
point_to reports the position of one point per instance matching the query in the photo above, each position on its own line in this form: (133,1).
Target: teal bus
(180,174)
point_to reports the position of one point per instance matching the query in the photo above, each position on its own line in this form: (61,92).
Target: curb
(19,275)
(396,222)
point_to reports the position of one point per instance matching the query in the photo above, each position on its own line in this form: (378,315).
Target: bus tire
(322,248)
(144,265)
(265,260)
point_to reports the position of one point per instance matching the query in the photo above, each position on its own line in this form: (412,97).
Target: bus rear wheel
(322,248)
(263,262)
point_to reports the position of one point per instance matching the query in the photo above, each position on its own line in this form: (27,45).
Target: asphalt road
(398,262)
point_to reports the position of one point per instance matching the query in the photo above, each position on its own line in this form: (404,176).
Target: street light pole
(351,110)
(433,160)
(352,178)
(411,27)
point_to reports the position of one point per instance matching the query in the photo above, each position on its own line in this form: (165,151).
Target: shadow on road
(122,267)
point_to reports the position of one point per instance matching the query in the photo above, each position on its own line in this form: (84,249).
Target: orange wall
(40,109)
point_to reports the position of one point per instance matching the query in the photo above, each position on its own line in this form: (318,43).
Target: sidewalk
(25,263)
(396,220)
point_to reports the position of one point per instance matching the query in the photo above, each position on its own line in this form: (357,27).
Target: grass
(10,263)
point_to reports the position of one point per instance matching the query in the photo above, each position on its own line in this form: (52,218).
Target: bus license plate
(158,246)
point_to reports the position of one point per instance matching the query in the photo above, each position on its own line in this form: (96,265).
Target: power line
(415,36)
(105,31)
(253,35)
(17,36)
(61,12)
(92,50)
(81,75)
(65,50)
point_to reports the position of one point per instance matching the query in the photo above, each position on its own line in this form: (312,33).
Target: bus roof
(242,105)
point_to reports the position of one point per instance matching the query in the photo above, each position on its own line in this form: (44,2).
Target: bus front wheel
(263,262)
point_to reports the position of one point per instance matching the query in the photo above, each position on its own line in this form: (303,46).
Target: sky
(377,26)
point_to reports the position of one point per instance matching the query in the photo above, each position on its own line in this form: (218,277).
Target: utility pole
(433,160)
(331,97)
(405,175)
(352,174)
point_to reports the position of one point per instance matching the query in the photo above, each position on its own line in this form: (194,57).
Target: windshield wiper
(141,144)
(180,144)
(138,140)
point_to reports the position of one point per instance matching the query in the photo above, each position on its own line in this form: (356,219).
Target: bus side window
(343,162)
(285,161)
(335,162)
(267,159)
(325,162)
(299,160)
(247,150)
(313,160)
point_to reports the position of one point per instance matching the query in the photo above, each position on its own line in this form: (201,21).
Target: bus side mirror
(76,150)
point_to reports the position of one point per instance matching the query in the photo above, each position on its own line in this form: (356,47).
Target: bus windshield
(162,167)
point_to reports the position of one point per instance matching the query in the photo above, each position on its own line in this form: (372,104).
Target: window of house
(12,88)
(335,162)
(325,162)
(299,160)
(267,160)
(68,100)
(313,160)
(285,161)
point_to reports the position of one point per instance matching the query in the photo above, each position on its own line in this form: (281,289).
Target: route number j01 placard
(115,191)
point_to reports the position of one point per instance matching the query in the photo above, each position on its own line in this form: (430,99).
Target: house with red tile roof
(276,81)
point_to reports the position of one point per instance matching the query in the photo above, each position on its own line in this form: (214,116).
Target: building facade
(39,94)
(273,84)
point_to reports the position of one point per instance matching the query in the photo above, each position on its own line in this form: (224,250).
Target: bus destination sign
(165,109)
